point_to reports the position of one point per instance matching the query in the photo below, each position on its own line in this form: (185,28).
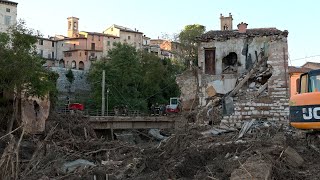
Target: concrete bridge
(137,122)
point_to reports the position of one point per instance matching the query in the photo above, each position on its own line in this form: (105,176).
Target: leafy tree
(136,79)
(189,45)
(22,71)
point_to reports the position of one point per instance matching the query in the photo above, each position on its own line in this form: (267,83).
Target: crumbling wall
(188,87)
(272,104)
(34,113)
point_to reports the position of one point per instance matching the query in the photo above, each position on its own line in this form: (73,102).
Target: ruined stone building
(248,68)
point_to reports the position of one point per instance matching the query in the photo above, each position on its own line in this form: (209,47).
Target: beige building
(8,14)
(47,49)
(126,35)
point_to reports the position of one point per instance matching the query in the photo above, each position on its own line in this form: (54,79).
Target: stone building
(168,49)
(247,67)
(8,14)
(126,35)
(47,49)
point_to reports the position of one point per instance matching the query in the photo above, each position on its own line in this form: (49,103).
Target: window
(92,37)
(49,56)
(8,10)
(41,42)
(135,35)
(108,43)
(52,55)
(52,44)
(80,54)
(85,53)
(62,45)
(7,20)
(304,84)
(111,29)
(41,53)
(99,38)
(129,37)
(93,46)
(315,83)
(92,54)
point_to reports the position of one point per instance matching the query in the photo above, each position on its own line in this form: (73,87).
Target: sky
(157,17)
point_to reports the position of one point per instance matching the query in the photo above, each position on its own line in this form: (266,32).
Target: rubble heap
(260,150)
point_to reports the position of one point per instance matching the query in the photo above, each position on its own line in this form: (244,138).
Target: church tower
(73,25)
(226,22)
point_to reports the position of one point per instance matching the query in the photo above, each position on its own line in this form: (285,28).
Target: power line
(305,57)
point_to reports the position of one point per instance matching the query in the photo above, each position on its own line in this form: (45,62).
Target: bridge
(135,122)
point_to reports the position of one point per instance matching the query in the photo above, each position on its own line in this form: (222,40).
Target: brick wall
(275,105)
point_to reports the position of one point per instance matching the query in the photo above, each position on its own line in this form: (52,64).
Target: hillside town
(221,103)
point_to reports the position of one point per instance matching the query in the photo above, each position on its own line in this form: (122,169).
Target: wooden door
(210,66)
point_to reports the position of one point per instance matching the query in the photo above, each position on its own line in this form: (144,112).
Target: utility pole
(107,101)
(103,91)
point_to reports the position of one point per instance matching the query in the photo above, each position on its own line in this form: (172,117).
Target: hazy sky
(156,17)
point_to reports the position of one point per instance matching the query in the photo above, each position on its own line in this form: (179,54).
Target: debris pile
(259,150)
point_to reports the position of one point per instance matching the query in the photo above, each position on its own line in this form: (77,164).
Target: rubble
(266,151)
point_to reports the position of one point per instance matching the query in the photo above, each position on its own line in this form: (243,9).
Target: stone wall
(80,83)
(188,87)
(275,105)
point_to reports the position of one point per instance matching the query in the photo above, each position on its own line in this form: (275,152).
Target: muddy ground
(185,154)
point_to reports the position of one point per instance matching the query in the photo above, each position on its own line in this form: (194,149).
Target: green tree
(135,79)
(189,44)
(22,71)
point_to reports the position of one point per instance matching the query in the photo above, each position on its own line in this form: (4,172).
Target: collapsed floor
(70,149)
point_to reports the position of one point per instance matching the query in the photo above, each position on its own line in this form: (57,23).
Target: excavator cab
(305,106)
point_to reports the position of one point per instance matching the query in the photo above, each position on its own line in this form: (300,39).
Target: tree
(189,44)
(135,79)
(22,71)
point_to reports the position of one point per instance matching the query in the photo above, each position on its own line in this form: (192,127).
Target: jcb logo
(310,113)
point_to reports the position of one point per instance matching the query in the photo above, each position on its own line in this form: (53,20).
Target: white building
(8,14)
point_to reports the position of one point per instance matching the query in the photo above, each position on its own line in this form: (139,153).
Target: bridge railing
(98,112)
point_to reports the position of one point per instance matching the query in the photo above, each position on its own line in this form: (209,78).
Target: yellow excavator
(305,107)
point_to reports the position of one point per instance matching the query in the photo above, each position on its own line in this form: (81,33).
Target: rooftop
(8,2)
(122,28)
(311,63)
(293,69)
(249,32)
(100,34)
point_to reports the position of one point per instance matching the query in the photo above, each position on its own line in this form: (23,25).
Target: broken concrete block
(254,168)
(211,91)
(74,165)
(252,85)
(292,157)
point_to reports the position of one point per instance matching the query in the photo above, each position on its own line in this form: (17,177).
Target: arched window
(61,63)
(73,64)
(81,65)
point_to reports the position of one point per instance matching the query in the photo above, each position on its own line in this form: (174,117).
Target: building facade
(126,35)
(8,14)
(226,57)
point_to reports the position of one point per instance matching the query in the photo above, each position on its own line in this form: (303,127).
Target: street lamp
(107,100)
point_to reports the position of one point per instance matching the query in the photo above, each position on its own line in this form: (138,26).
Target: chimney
(242,27)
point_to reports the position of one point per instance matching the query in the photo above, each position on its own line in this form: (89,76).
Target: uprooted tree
(136,79)
(22,71)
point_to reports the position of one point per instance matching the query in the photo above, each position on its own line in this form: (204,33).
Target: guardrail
(98,112)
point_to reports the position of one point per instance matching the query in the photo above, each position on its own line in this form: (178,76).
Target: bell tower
(73,25)
(226,22)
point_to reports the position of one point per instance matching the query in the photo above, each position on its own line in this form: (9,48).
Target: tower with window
(73,27)
(226,22)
